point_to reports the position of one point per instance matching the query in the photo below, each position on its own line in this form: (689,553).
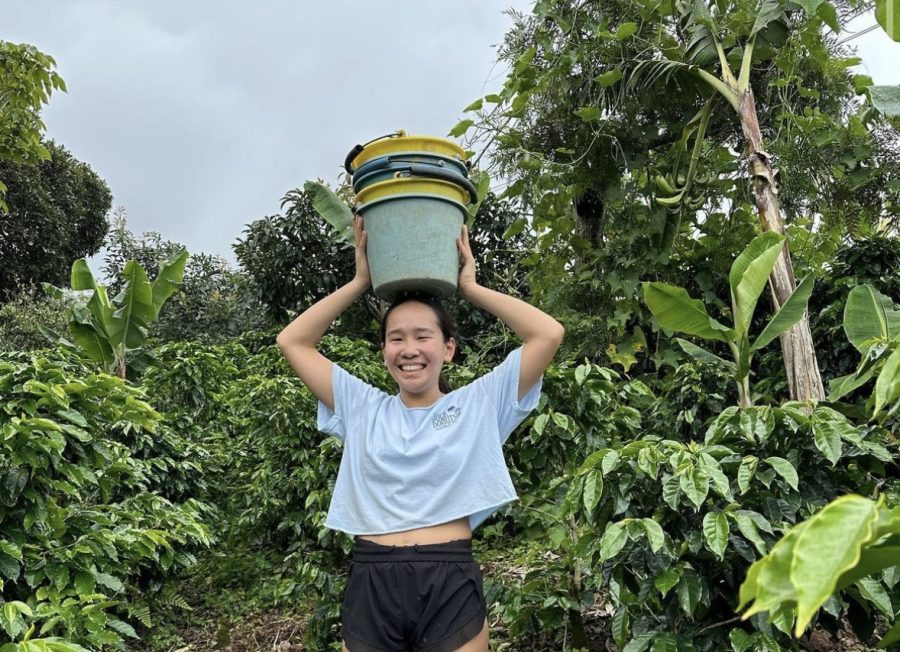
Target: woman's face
(415,351)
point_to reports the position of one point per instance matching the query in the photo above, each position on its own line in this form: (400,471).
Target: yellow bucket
(412,186)
(403,144)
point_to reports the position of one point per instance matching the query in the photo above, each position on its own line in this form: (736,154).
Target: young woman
(420,469)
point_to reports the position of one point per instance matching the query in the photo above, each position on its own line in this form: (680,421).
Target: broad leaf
(888,16)
(830,545)
(676,311)
(769,11)
(94,344)
(135,309)
(746,472)
(843,385)
(613,540)
(827,438)
(332,208)
(655,536)
(785,469)
(702,355)
(789,314)
(81,277)
(869,315)
(748,528)
(695,485)
(171,274)
(749,275)
(715,532)
(593,490)
(887,387)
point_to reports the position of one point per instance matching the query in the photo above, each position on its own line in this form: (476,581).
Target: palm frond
(651,72)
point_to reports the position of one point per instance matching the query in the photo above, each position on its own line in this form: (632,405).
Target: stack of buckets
(412,192)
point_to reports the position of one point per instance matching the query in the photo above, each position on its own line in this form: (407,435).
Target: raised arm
(540,333)
(299,339)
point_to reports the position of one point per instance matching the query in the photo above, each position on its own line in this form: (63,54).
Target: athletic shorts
(421,598)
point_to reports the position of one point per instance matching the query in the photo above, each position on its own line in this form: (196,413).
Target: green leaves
(332,208)
(80,504)
(715,532)
(458,129)
(609,78)
(820,555)
(675,310)
(868,316)
(828,440)
(106,330)
(789,314)
(171,274)
(786,470)
(872,324)
(888,17)
(749,275)
(27,80)
(589,113)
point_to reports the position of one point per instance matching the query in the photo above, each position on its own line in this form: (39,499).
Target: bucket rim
(382,200)
(443,189)
(427,144)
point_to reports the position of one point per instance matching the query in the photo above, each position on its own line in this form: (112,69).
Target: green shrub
(84,524)
(21,318)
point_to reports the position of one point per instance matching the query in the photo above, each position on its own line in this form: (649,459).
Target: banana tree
(105,330)
(872,324)
(675,310)
(844,545)
(716,37)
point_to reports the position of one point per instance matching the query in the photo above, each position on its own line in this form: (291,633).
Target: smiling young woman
(423,468)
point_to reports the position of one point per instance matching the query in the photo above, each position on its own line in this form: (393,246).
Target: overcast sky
(202,114)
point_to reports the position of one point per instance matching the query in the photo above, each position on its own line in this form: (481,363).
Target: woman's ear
(449,349)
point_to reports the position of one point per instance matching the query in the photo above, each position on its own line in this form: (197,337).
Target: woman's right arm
(299,339)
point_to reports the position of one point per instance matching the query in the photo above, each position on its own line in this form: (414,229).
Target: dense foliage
(57,213)
(671,497)
(86,466)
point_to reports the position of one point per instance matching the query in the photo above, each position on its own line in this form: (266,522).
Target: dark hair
(445,321)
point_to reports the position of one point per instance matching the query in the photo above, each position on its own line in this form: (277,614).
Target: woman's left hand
(467,269)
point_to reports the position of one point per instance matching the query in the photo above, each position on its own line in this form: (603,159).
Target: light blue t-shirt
(405,468)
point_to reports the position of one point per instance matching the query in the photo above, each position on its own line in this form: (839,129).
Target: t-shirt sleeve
(501,387)
(352,397)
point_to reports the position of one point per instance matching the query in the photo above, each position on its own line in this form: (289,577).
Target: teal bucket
(411,243)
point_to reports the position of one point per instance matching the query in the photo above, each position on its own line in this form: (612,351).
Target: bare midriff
(458,529)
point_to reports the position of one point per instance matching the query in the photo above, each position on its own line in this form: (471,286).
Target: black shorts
(412,598)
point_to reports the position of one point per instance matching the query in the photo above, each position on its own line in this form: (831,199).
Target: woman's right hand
(362,262)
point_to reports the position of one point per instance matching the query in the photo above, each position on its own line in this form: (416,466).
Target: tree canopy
(57,214)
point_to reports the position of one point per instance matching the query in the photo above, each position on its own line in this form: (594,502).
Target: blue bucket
(411,158)
(411,243)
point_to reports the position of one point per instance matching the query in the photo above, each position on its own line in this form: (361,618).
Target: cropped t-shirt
(405,468)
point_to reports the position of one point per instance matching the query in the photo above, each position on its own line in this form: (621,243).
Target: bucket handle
(445,175)
(348,160)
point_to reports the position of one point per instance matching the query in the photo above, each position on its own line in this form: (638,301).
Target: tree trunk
(804,379)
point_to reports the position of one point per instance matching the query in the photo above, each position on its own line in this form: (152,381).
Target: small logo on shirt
(446,418)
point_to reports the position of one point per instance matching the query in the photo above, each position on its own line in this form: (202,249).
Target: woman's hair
(445,321)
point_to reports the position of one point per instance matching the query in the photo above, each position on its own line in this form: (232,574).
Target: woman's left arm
(540,333)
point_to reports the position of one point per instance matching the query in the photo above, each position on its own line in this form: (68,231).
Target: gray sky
(201,115)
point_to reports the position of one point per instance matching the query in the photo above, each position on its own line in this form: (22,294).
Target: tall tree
(27,79)
(611,109)
(57,214)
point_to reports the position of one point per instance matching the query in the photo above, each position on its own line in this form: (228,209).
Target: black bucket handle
(348,160)
(445,175)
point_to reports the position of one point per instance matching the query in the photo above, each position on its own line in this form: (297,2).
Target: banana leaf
(789,314)
(749,275)
(675,310)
